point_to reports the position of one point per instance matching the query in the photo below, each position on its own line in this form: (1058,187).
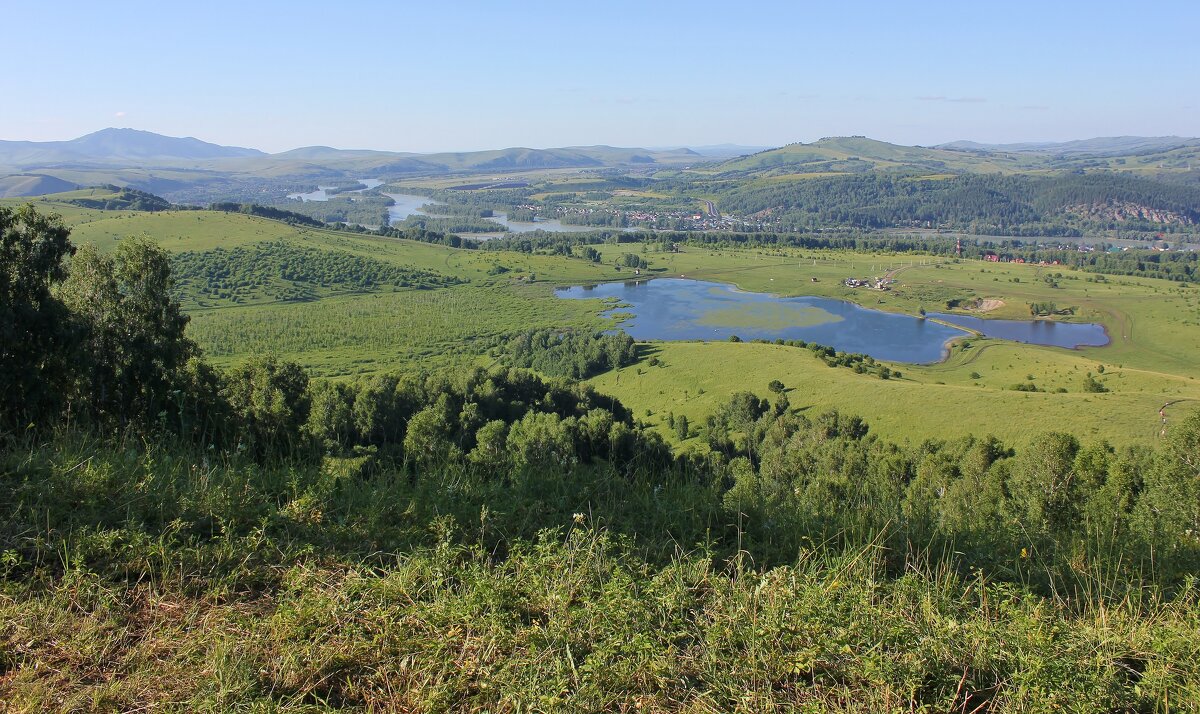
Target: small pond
(1034,332)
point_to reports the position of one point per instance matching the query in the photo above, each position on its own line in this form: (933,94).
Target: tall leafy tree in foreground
(34,329)
(134,349)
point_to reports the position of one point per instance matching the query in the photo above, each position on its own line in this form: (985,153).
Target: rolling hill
(19,185)
(1100,146)
(116,146)
(859,154)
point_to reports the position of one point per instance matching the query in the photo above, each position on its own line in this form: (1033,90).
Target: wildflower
(1024,554)
(578,518)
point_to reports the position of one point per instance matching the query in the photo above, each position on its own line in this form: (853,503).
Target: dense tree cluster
(498,420)
(798,479)
(102,341)
(450,224)
(282,271)
(569,353)
(276,214)
(368,209)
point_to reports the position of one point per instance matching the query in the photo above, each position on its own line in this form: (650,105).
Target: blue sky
(471,75)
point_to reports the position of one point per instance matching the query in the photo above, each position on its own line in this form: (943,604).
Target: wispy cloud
(956,100)
(119,115)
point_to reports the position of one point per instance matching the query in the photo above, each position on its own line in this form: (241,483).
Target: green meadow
(939,401)
(337,332)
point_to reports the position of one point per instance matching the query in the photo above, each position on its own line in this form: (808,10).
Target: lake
(680,309)
(1035,332)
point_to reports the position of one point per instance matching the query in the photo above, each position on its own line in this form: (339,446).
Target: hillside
(357,162)
(245,536)
(1167,158)
(200,172)
(19,185)
(1058,204)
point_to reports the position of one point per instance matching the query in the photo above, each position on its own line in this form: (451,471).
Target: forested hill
(1064,204)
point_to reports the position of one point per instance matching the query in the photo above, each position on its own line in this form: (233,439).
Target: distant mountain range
(128,148)
(1108,145)
(182,167)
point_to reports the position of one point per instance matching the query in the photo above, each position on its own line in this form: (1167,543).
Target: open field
(694,378)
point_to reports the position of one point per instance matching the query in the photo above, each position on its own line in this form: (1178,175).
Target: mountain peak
(138,143)
(117,146)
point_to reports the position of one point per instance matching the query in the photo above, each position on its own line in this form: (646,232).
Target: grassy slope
(695,378)
(355,333)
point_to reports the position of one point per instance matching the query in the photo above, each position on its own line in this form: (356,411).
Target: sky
(450,75)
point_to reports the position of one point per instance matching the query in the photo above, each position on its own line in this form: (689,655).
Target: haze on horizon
(423,78)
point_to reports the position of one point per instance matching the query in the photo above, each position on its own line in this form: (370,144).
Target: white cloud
(119,115)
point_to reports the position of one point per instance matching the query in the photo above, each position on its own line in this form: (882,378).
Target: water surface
(680,309)
(540,224)
(321,194)
(1034,332)
(406,204)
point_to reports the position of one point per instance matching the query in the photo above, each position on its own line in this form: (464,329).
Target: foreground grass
(150,579)
(573,623)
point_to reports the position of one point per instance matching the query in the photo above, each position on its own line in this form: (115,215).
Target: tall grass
(140,576)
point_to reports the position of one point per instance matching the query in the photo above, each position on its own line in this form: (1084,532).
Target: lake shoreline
(1020,331)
